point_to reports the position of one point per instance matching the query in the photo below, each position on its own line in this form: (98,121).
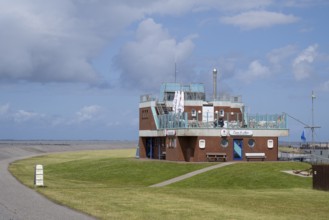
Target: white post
(38,175)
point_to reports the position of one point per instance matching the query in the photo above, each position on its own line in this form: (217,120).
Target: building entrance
(237,149)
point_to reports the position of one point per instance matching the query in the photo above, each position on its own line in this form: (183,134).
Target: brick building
(181,125)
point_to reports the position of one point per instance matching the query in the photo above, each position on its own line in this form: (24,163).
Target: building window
(251,143)
(224,142)
(193,113)
(145,114)
(221,113)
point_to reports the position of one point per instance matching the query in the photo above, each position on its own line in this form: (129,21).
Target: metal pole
(214,84)
(313,97)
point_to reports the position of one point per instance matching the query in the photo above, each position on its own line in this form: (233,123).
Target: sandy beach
(17,202)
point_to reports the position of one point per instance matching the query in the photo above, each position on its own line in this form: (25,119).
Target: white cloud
(258,19)
(255,71)
(23,116)
(56,41)
(302,67)
(18,116)
(303,3)
(150,59)
(241,5)
(280,58)
(89,113)
(178,7)
(277,56)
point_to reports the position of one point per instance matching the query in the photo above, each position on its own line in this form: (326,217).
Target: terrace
(166,117)
(246,121)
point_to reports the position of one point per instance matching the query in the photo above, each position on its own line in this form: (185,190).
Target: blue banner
(303,137)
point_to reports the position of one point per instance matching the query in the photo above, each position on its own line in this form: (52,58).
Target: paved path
(188,175)
(18,202)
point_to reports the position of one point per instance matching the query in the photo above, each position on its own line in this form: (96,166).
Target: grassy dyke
(113,185)
(250,175)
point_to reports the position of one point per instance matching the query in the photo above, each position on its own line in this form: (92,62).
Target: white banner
(207,113)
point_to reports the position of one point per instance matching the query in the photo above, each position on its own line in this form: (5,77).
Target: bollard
(38,175)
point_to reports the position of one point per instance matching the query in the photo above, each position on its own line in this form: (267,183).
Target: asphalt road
(18,202)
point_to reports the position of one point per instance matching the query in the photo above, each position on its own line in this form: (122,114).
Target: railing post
(256,121)
(186,119)
(237,120)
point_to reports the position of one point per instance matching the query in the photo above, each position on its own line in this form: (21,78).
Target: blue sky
(75,69)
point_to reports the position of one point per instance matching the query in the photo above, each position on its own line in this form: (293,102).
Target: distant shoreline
(64,142)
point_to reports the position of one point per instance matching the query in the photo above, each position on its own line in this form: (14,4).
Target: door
(149,148)
(237,149)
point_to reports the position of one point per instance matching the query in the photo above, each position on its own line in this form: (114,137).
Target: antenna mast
(312,127)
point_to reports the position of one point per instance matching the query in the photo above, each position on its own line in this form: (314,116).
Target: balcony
(261,122)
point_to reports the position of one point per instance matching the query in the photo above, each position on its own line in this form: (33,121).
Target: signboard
(170,132)
(240,133)
(223,132)
(202,143)
(270,143)
(207,113)
(38,175)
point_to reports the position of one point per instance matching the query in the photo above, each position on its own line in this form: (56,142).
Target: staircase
(162,109)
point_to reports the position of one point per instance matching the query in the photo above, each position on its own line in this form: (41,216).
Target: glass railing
(147,98)
(181,121)
(272,121)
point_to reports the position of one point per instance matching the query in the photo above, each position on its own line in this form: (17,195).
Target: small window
(221,113)
(193,113)
(251,143)
(224,142)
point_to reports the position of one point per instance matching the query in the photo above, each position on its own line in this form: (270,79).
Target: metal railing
(317,159)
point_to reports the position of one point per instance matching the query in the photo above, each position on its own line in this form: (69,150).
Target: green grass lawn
(113,184)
